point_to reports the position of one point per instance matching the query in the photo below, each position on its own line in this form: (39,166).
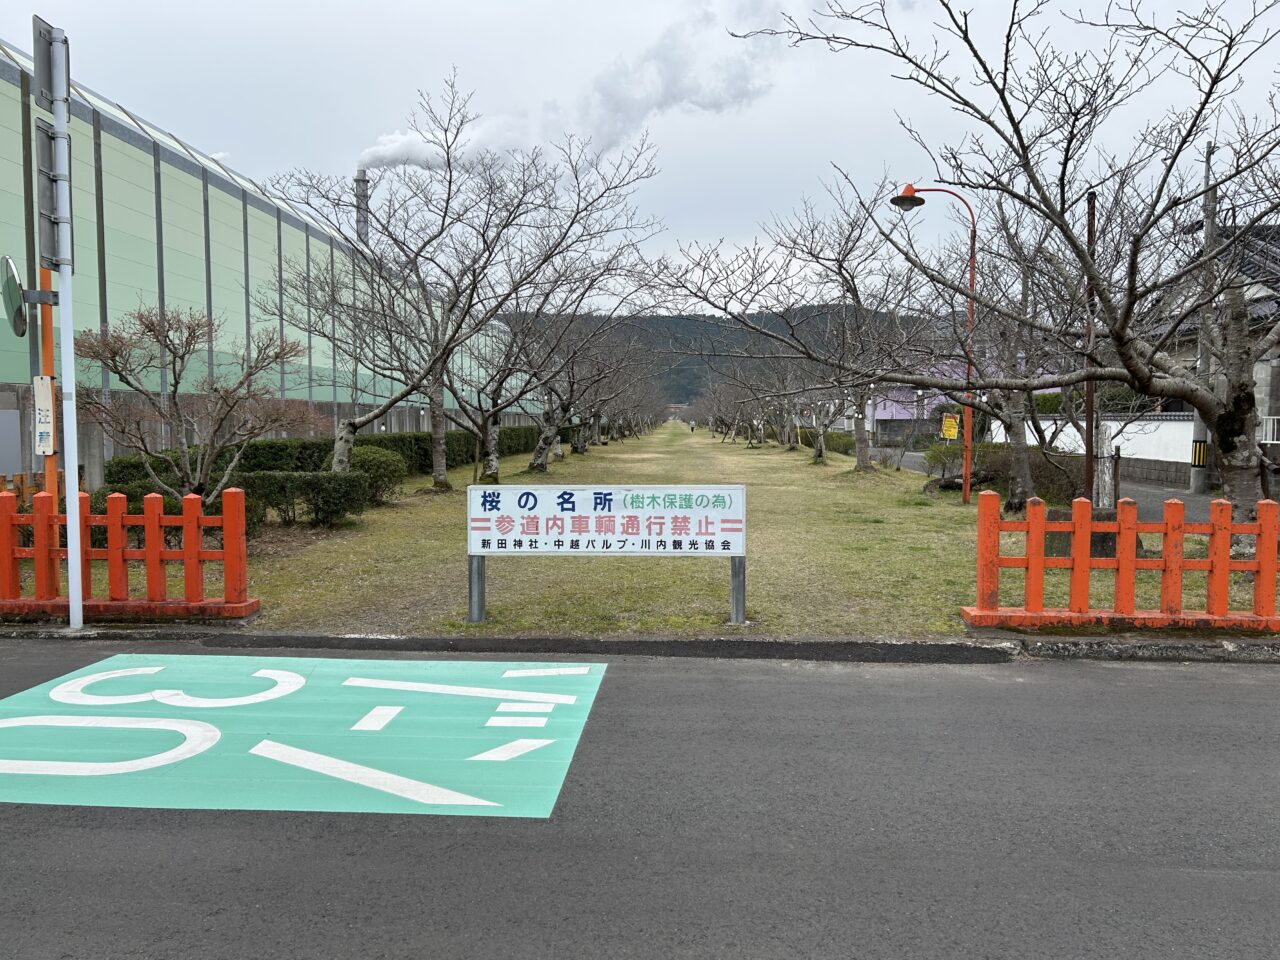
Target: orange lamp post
(910,199)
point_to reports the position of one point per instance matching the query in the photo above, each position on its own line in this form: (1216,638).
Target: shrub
(385,469)
(944,459)
(512,440)
(276,490)
(125,469)
(1048,404)
(325,498)
(332,497)
(255,510)
(835,442)
(309,455)
(1051,484)
(292,454)
(413,448)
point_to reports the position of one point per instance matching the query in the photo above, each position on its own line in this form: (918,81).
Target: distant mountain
(675,339)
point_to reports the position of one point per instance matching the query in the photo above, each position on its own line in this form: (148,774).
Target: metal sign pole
(737,591)
(475,589)
(66,322)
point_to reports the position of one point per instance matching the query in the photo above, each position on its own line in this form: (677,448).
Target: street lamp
(910,199)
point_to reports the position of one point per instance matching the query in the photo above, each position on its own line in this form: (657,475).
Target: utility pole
(53,88)
(1199,429)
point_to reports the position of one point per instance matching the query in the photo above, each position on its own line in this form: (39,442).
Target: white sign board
(667,521)
(45,438)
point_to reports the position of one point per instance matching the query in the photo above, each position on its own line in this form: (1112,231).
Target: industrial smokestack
(362,206)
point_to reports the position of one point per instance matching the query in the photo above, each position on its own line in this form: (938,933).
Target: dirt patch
(278,541)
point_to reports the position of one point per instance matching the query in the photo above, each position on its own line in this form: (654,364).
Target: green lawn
(830,552)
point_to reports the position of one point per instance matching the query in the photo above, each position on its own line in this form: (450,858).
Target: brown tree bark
(439,452)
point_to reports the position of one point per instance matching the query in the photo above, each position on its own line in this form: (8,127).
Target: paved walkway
(1150,497)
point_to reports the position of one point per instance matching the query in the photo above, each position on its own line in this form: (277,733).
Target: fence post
(1171,556)
(1034,591)
(1081,533)
(988,550)
(1264,552)
(1219,579)
(86,568)
(153,543)
(192,569)
(41,529)
(235,552)
(9,582)
(1126,554)
(117,566)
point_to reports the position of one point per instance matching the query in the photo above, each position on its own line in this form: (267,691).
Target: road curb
(985,648)
(725,647)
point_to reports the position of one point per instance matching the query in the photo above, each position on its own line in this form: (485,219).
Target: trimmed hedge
(291,477)
(309,454)
(255,512)
(385,469)
(835,442)
(323,499)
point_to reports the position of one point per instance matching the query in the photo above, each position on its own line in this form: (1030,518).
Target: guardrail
(1171,562)
(114,599)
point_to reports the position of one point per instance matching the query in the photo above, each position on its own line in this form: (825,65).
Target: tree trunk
(557,450)
(489,454)
(595,430)
(862,446)
(548,438)
(819,446)
(1021,484)
(1235,428)
(579,442)
(439,455)
(1238,462)
(343,443)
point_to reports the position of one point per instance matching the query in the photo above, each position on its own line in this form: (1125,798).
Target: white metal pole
(66,323)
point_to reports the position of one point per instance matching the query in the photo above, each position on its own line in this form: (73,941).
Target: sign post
(53,81)
(475,589)
(623,521)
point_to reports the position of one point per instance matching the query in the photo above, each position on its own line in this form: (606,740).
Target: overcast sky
(743,128)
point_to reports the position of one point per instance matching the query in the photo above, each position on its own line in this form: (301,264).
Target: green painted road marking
(455,737)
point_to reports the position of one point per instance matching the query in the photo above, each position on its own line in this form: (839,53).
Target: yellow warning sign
(950,426)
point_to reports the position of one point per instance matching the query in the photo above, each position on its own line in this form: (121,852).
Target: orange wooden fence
(113,599)
(1171,563)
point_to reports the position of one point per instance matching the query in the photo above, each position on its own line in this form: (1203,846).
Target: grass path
(830,552)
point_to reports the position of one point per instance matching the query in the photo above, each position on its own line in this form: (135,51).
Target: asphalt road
(1150,497)
(736,810)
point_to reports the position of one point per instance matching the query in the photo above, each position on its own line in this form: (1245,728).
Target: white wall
(1147,439)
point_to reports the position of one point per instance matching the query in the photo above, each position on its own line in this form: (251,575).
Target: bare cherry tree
(1128,119)
(452,239)
(189,405)
(599,368)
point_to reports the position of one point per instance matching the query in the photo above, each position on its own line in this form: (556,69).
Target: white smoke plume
(675,71)
(498,133)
